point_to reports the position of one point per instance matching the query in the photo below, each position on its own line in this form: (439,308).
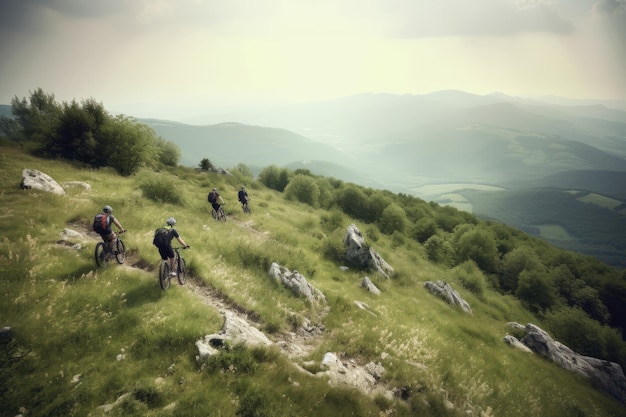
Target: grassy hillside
(112,343)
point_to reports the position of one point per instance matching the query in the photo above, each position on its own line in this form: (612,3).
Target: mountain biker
(102,225)
(164,243)
(242,195)
(215,199)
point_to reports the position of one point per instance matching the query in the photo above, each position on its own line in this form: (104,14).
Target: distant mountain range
(447,146)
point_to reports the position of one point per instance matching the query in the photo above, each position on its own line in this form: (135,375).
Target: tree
(304,189)
(169,152)
(129,145)
(520,259)
(423,229)
(352,201)
(274,177)
(392,219)
(439,250)
(38,117)
(536,289)
(206,165)
(479,245)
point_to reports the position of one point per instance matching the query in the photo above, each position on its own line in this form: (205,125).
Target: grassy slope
(70,321)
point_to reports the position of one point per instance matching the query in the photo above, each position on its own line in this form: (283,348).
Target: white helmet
(171,221)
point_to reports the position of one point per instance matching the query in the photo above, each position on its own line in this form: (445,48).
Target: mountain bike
(219,214)
(181,269)
(103,252)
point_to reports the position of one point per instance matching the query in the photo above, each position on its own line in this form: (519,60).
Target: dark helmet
(243,188)
(107,209)
(171,221)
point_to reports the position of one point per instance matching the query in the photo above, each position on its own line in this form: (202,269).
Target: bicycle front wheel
(102,258)
(120,256)
(164,275)
(221,215)
(181,274)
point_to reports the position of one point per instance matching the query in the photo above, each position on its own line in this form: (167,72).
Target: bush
(303,188)
(393,219)
(471,277)
(160,188)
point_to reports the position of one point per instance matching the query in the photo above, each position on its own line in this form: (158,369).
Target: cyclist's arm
(181,241)
(118,224)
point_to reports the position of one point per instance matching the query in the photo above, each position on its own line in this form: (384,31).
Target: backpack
(212,197)
(100,222)
(160,237)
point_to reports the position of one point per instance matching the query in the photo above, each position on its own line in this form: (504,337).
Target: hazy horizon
(166,59)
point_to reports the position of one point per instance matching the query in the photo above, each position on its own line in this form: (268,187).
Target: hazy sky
(161,58)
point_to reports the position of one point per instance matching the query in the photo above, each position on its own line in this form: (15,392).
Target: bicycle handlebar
(181,247)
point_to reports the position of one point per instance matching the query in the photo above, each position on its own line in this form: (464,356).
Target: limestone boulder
(37,180)
(360,254)
(443,290)
(296,282)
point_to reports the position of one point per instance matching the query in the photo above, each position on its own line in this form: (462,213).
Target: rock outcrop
(33,179)
(296,282)
(606,375)
(369,286)
(351,374)
(444,290)
(235,330)
(361,255)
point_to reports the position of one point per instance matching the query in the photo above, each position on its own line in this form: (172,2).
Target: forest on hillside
(582,299)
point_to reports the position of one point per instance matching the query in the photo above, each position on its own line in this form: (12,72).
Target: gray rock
(235,330)
(361,255)
(369,285)
(33,179)
(296,282)
(514,342)
(444,290)
(607,375)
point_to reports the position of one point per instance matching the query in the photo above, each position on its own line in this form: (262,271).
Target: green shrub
(160,188)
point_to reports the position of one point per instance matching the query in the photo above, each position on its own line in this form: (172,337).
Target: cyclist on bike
(242,195)
(163,241)
(215,199)
(102,225)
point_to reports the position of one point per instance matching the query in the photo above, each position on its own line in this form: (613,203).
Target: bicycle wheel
(221,215)
(120,256)
(181,274)
(102,258)
(164,275)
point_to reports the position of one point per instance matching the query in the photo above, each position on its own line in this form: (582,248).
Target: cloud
(415,19)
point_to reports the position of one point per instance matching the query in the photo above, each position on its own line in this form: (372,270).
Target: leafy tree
(514,263)
(243,170)
(303,188)
(439,250)
(392,219)
(536,289)
(352,201)
(479,246)
(206,165)
(9,127)
(274,177)
(423,229)
(574,328)
(129,145)
(169,152)
(38,117)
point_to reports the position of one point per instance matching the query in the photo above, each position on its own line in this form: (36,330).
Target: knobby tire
(102,258)
(181,274)
(120,256)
